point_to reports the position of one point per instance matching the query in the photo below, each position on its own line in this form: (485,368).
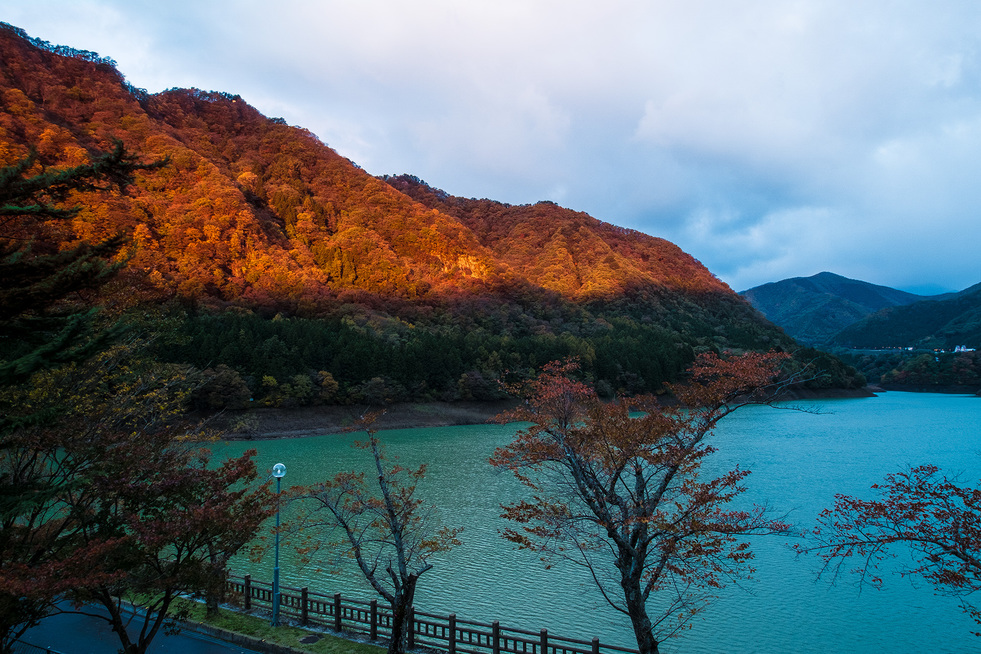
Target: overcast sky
(767,138)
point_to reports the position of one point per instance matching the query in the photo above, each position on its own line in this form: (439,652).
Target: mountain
(249,211)
(944,323)
(252,211)
(814,309)
(566,251)
(382,284)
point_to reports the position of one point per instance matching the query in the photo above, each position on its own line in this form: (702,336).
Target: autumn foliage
(568,252)
(625,496)
(253,217)
(378,521)
(921,515)
(254,212)
(103,497)
(111,499)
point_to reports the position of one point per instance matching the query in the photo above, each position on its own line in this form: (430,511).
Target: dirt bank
(258,424)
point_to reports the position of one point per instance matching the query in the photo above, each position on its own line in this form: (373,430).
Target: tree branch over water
(626,496)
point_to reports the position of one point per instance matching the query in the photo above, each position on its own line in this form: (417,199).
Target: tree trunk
(142,642)
(643,632)
(116,620)
(211,608)
(639,620)
(400,617)
(214,594)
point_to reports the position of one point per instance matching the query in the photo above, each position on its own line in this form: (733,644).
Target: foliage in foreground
(626,496)
(117,505)
(102,496)
(389,532)
(38,276)
(921,513)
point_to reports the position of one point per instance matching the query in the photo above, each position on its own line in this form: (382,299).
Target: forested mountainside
(379,288)
(566,251)
(814,309)
(929,324)
(895,339)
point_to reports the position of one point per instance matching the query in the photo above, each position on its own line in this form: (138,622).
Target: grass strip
(286,635)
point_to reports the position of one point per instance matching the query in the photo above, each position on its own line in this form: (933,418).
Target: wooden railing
(441,632)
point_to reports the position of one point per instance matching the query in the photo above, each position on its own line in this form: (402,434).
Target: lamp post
(278,471)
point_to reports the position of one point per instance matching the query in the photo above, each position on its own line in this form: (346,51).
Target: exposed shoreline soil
(269,423)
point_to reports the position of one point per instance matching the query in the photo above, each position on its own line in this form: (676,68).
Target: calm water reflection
(799,461)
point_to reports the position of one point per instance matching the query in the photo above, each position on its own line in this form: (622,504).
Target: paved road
(81,634)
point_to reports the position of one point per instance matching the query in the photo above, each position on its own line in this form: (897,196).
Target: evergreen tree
(38,328)
(41,329)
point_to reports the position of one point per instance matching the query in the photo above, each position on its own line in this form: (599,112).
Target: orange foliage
(625,495)
(250,210)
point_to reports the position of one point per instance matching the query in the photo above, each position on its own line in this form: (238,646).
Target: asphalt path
(82,634)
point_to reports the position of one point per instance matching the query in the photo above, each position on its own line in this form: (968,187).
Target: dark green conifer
(38,328)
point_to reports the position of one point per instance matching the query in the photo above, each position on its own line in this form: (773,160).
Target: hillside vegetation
(928,324)
(893,338)
(289,275)
(814,309)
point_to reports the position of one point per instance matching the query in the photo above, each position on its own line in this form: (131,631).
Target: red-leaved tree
(117,504)
(176,521)
(389,532)
(626,496)
(921,513)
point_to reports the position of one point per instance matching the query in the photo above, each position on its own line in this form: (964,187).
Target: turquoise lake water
(799,460)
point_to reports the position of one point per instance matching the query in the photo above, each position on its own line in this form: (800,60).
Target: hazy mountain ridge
(828,309)
(814,309)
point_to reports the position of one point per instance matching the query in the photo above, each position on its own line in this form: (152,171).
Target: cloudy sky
(768,138)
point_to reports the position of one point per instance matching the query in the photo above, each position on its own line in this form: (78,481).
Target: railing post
(247,592)
(595,645)
(337,611)
(451,641)
(304,606)
(544,642)
(374,620)
(496,637)
(411,628)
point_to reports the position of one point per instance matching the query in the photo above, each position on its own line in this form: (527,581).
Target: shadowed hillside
(813,309)
(929,324)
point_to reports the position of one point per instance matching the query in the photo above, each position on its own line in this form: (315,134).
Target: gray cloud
(767,138)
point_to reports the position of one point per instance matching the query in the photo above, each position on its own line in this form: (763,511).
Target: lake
(799,460)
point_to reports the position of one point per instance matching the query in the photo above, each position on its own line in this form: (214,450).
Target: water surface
(799,460)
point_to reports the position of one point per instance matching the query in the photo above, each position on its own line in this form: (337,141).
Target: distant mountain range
(830,310)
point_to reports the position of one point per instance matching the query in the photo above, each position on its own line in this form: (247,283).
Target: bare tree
(389,532)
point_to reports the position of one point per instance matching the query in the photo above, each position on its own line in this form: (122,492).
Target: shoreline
(269,423)
(298,422)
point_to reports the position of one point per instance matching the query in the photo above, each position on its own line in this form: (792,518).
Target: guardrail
(441,632)
(20,647)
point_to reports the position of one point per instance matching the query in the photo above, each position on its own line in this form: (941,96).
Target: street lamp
(278,471)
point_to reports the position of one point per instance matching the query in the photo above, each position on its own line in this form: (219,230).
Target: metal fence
(441,632)
(26,648)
